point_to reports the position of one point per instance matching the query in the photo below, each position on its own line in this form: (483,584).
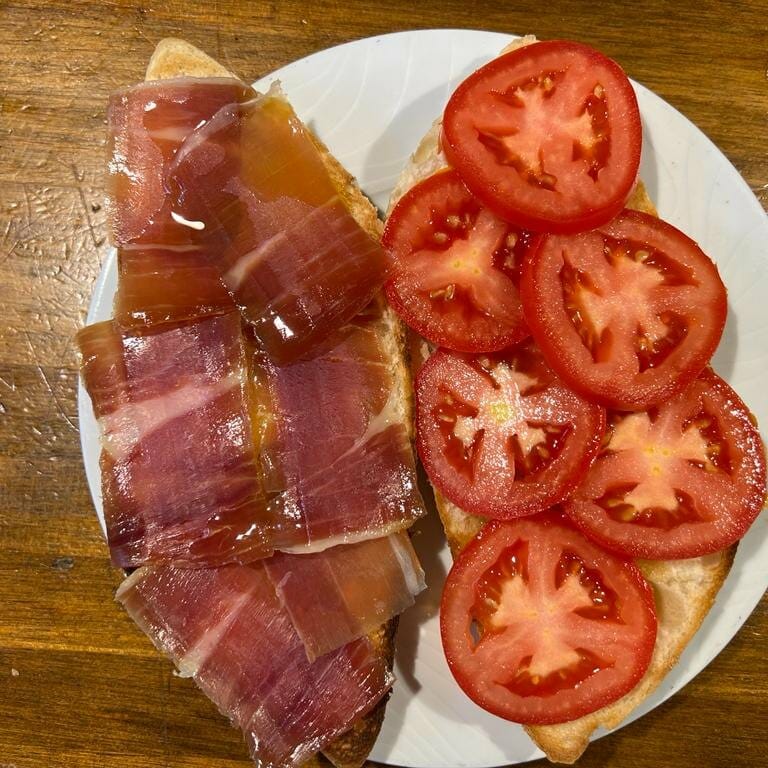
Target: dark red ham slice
(347,591)
(226,628)
(299,266)
(165,273)
(339,449)
(180,478)
(170,284)
(146,125)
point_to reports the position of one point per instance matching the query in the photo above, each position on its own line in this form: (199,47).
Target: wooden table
(79,685)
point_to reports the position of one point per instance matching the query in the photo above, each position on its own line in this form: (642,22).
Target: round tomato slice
(548,136)
(540,626)
(500,435)
(457,267)
(627,314)
(683,480)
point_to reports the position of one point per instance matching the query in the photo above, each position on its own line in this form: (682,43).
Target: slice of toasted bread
(684,589)
(178,58)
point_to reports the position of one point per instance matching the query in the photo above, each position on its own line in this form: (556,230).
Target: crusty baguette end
(177,58)
(684,592)
(684,589)
(174,57)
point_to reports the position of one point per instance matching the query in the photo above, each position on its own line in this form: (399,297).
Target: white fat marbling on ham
(341,443)
(190,663)
(124,429)
(181,478)
(347,591)
(228,629)
(295,260)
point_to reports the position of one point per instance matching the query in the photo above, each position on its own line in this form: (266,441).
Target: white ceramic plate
(371,101)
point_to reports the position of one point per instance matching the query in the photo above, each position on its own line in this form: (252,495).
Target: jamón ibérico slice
(295,260)
(225,627)
(147,124)
(167,284)
(165,272)
(345,592)
(339,452)
(180,478)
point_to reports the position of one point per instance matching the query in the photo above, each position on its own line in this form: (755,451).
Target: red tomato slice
(539,625)
(627,314)
(500,435)
(683,480)
(457,267)
(547,136)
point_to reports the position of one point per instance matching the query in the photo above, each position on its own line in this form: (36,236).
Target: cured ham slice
(292,256)
(226,628)
(345,592)
(180,479)
(170,284)
(165,272)
(147,124)
(339,450)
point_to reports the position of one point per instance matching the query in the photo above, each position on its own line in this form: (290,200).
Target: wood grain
(79,685)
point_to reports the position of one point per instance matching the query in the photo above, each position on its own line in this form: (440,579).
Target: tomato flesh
(627,314)
(685,479)
(548,136)
(500,435)
(457,267)
(539,625)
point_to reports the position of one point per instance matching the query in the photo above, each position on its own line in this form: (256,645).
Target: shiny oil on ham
(226,628)
(166,284)
(294,259)
(347,591)
(165,271)
(339,452)
(147,124)
(180,475)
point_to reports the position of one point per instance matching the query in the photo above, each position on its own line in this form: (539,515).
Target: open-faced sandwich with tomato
(593,474)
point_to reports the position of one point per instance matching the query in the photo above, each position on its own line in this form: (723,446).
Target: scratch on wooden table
(6,252)
(221,54)
(70,647)
(79,178)
(28,204)
(47,383)
(141,34)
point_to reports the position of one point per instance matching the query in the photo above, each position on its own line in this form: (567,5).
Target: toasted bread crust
(174,57)
(177,58)
(684,589)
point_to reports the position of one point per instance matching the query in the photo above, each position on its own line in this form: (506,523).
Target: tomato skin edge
(464,562)
(426,450)
(393,297)
(585,220)
(615,400)
(653,548)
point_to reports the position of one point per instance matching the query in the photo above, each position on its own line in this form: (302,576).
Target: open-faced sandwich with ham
(592,473)
(257,471)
